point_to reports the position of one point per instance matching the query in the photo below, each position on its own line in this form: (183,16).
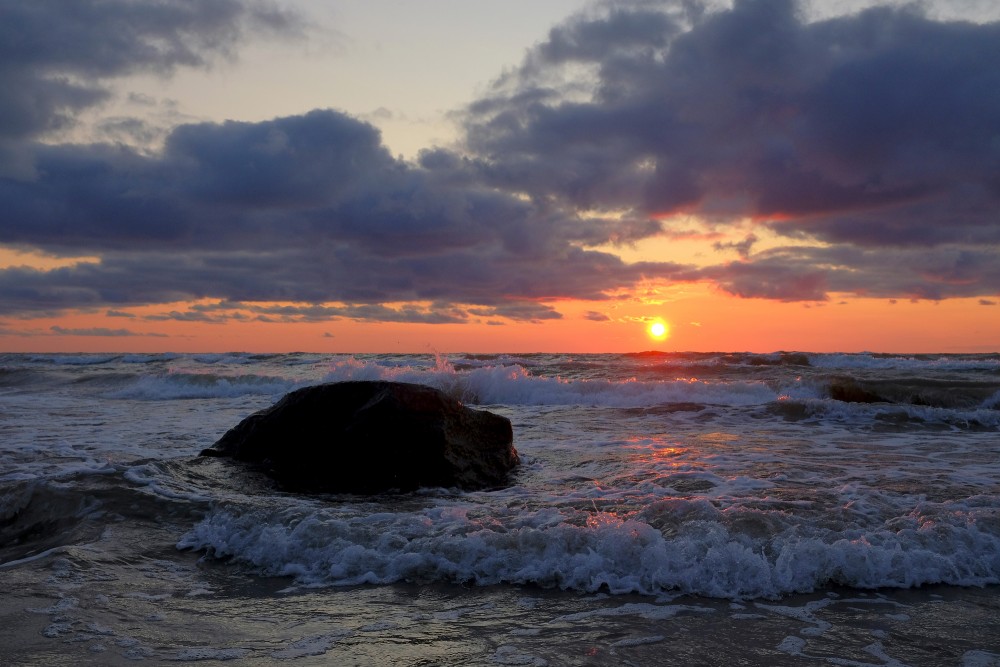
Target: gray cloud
(808,273)
(442,314)
(56,57)
(100,331)
(879,129)
(307,208)
(60,54)
(754,112)
(876,134)
(741,247)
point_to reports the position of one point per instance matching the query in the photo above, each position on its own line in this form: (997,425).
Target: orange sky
(699,320)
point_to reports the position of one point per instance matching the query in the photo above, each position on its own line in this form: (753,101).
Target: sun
(658,330)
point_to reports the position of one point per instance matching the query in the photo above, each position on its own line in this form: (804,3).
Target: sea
(670,509)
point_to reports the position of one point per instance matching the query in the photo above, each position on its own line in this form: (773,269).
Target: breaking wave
(685,545)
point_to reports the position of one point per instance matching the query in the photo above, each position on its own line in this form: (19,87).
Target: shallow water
(88,605)
(670,509)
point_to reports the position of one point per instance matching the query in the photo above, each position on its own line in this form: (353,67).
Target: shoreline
(171,606)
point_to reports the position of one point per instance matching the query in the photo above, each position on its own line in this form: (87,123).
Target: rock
(370,437)
(849,391)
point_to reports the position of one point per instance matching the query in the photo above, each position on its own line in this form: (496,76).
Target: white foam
(638,641)
(510,655)
(515,385)
(39,556)
(805,614)
(153,479)
(793,645)
(698,551)
(310,646)
(991,403)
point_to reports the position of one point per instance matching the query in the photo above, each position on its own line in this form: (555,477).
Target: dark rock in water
(369,437)
(795,359)
(850,391)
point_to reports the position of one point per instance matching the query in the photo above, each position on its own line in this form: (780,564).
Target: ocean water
(684,509)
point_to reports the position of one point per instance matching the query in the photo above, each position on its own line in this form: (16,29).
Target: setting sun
(658,330)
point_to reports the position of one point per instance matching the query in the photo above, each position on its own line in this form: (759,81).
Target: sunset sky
(499,175)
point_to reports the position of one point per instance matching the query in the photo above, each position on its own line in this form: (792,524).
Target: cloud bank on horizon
(868,143)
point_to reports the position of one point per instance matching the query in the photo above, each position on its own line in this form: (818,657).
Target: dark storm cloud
(878,129)
(754,112)
(441,314)
(306,209)
(808,273)
(525,311)
(100,331)
(434,314)
(877,134)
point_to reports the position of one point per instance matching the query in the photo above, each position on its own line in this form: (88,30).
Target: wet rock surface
(371,437)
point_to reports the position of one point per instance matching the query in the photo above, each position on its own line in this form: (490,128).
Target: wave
(965,387)
(922,363)
(749,358)
(149,358)
(953,404)
(685,545)
(222,359)
(38,515)
(74,359)
(890,415)
(515,385)
(174,386)
(914,391)
(907,402)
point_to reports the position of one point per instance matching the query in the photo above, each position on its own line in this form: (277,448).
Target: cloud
(519,310)
(868,143)
(56,58)
(441,314)
(809,273)
(310,209)
(187,316)
(741,247)
(60,55)
(871,130)
(100,331)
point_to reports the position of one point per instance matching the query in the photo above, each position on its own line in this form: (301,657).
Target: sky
(499,175)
